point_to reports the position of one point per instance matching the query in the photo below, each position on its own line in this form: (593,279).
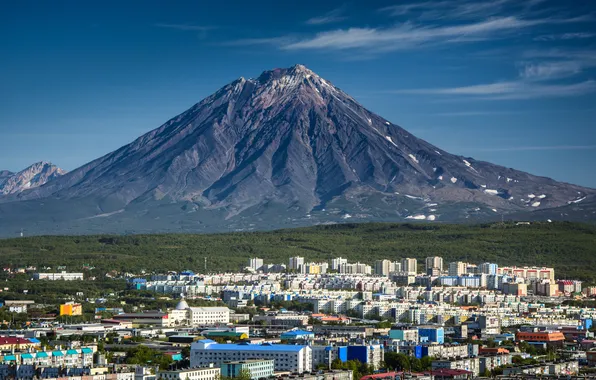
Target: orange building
(71,309)
(540,336)
(493,350)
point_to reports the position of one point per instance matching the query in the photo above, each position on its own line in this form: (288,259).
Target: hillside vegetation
(569,247)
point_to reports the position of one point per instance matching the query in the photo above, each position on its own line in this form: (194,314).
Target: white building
(385,267)
(198,316)
(291,358)
(457,268)
(295,263)
(208,373)
(435,262)
(255,264)
(58,276)
(337,263)
(409,265)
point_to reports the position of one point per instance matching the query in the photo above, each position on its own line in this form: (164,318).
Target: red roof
(386,375)
(381,375)
(4,340)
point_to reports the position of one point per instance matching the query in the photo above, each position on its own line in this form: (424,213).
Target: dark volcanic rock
(292,139)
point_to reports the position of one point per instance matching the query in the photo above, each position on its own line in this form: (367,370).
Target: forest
(569,247)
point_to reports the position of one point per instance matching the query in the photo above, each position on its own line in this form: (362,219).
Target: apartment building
(65,276)
(207,373)
(293,358)
(258,368)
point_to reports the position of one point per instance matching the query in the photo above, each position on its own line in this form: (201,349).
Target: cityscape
(307,320)
(297,190)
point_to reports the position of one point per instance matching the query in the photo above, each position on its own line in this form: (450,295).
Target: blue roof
(10,358)
(57,353)
(41,355)
(72,352)
(255,347)
(26,356)
(87,350)
(34,340)
(297,333)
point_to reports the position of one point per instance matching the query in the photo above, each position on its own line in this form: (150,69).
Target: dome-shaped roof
(182,305)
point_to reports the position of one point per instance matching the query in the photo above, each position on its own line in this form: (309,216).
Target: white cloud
(273,41)
(330,17)
(550,70)
(531,148)
(511,90)
(460,9)
(477,113)
(186,27)
(407,35)
(564,36)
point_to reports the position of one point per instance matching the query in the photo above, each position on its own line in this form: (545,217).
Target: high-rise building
(409,265)
(435,262)
(529,273)
(382,267)
(315,268)
(255,264)
(386,267)
(457,268)
(337,263)
(488,268)
(356,268)
(295,263)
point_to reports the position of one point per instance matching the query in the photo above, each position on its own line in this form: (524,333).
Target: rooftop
(211,345)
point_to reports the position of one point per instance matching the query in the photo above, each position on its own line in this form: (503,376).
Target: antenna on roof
(22,233)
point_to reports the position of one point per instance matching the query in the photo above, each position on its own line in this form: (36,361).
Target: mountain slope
(4,175)
(290,145)
(34,176)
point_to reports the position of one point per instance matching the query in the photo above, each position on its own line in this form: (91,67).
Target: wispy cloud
(336,15)
(564,36)
(536,148)
(460,9)
(477,113)
(511,90)
(542,74)
(550,70)
(273,41)
(186,27)
(408,35)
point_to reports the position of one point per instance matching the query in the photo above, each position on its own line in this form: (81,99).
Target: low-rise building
(293,358)
(467,364)
(258,368)
(62,276)
(566,368)
(208,373)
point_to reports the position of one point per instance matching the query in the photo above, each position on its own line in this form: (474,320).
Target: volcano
(287,148)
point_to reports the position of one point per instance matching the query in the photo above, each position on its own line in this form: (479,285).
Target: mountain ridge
(31,177)
(290,140)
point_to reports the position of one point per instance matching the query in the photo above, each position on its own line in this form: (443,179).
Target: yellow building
(71,309)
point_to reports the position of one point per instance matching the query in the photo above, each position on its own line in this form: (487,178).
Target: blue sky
(507,81)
